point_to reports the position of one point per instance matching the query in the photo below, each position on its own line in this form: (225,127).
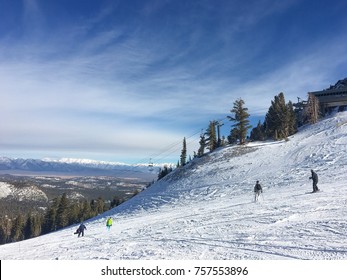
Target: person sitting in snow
(80,230)
(109,223)
(314,178)
(257,190)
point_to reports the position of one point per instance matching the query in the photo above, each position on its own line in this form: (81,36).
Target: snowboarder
(80,230)
(257,190)
(314,178)
(109,223)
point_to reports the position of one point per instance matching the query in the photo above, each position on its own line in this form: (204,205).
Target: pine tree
(211,140)
(233,137)
(28,227)
(63,212)
(184,153)
(3,235)
(202,143)
(5,230)
(280,119)
(292,120)
(240,118)
(93,207)
(50,218)
(115,201)
(33,226)
(86,212)
(100,205)
(163,172)
(258,133)
(74,212)
(17,232)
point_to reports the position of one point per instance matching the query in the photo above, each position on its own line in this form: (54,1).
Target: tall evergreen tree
(292,120)
(276,118)
(211,140)
(280,119)
(86,212)
(74,212)
(202,143)
(63,212)
(50,218)
(241,121)
(17,232)
(100,205)
(28,226)
(5,230)
(33,226)
(3,235)
(184,153)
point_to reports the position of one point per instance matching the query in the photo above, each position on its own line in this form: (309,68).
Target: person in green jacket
(109,223)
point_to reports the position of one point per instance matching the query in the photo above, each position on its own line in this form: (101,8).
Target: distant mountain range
(76,167)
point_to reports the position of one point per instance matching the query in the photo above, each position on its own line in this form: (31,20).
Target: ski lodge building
(335,96)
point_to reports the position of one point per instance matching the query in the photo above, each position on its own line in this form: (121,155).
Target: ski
(313,192)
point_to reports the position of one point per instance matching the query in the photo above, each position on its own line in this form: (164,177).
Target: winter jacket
(109,222)
(314,177)
(81,228)
(258,188)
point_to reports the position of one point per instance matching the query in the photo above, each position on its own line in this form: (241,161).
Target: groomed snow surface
(206,210)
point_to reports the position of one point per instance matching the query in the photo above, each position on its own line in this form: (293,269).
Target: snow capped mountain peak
(76,167)
(206,210)
(83,161)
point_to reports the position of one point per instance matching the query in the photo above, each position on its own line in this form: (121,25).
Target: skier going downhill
(314,178)
(257,190)
(109,223)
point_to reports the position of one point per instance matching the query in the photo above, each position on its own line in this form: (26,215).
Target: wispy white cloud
(133,89)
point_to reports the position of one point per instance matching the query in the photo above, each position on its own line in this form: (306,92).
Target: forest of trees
(281,121)
(62,212)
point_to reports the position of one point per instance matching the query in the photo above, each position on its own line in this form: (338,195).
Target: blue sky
(126,80)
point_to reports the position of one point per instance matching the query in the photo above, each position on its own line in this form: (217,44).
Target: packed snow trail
(206,210)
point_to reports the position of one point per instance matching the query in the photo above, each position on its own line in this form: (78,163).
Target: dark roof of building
(340,84)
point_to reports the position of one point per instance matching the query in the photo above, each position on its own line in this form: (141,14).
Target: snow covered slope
(206,210)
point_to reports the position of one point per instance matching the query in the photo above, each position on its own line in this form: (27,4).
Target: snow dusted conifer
(241,121)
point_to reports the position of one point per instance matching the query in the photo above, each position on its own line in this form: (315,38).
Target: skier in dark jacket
(257,190)
(80,230)
(314,178)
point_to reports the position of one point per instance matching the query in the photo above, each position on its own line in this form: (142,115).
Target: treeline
(62,212)
(281,121)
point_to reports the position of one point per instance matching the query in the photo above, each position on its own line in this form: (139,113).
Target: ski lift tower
(219,124)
